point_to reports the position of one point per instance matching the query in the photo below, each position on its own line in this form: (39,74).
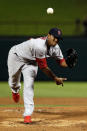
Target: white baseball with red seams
(21,58)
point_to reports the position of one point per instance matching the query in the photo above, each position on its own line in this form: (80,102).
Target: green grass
(42,105)
(70,89)
(50,89)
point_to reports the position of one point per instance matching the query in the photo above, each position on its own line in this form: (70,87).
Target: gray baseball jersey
(37,48)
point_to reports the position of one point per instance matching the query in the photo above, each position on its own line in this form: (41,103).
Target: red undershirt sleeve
(60,61)
(42,63)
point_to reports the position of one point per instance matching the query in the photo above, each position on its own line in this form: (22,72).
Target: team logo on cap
(59,32)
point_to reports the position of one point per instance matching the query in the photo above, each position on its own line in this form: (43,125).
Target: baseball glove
(71,57)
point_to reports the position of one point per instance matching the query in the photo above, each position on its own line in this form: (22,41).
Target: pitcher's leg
(14,70)
(29,74)
(15,85)
(14,81)
(28,94)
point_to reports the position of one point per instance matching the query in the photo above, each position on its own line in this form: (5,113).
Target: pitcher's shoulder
(43,38)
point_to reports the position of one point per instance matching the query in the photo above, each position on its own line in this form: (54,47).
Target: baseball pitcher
(25,58)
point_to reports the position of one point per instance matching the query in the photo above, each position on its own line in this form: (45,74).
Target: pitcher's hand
(59,81)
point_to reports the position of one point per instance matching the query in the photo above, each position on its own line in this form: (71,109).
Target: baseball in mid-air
(50,11)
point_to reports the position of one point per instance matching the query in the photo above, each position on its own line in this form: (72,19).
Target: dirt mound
(68,117)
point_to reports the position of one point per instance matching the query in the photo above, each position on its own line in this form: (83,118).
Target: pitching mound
(63,114)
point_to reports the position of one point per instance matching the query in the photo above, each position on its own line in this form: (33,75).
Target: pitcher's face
(51,40)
